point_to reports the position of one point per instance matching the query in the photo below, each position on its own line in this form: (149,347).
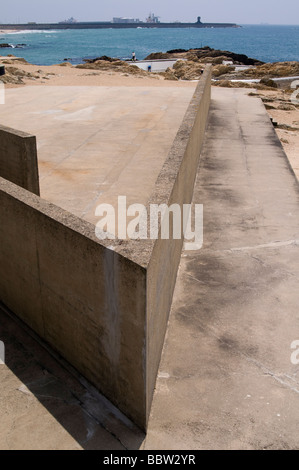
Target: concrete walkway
(226,379)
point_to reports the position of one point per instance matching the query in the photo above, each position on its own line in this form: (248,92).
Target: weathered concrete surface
(86,301)
(156,65)
(226,380)
(46,406)
(96,143)
(18,159)
(102,306)
(174,186)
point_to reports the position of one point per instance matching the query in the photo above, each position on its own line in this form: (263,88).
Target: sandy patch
(67,75)
(286,114)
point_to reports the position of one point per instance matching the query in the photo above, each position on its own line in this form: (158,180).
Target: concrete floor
(226,380)
(96,143)
(44,406)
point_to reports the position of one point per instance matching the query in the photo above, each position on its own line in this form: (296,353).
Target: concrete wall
(83,299)
(104,305)
(18,159)
(156,65)
(174,185)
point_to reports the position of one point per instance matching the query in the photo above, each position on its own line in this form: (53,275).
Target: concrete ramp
(226,379)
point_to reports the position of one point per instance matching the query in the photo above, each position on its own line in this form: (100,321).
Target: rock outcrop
(115,65)
(208,53)
(273,70)
(184,70)
(15,76)
(205,55)
(103,57)
(5,45)
(11,59)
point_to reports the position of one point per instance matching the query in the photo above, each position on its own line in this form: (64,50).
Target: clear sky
(235,11)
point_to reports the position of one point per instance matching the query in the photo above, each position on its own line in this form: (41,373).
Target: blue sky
(251,12)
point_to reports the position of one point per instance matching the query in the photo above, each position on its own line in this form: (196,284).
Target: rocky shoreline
(227,66)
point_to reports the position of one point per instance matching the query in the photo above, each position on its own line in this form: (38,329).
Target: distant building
(152,18)
(126,20)
(69,21)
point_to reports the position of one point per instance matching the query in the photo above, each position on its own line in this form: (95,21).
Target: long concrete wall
(102,305)
(174,185)
(18,159)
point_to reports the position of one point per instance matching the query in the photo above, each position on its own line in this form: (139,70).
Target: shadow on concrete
(37,386)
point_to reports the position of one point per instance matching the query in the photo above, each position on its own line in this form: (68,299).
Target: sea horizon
(265,42)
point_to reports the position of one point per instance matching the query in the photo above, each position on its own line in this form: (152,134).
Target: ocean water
(266,43)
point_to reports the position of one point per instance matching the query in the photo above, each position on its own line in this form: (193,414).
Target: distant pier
(112,25)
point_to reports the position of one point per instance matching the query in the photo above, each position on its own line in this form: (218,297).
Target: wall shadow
(88,417)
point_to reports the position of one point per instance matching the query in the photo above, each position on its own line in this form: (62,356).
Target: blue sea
(266,43)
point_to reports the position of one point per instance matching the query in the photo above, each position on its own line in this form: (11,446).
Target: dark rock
(157,56)
(268,82)
(103,57)
(236,58)
(176,51)
(17,46)
(205,53)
